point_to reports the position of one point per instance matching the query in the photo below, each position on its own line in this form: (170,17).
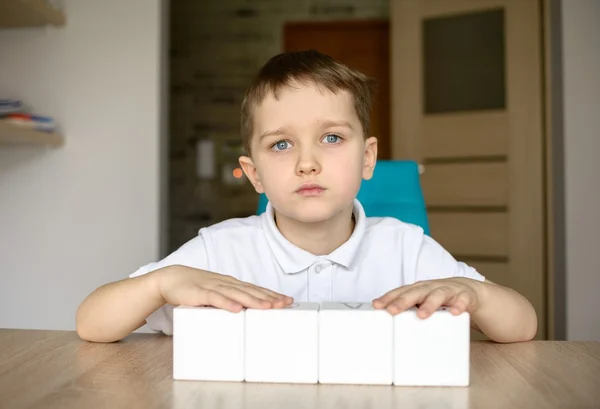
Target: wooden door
(362,45)
(467,103)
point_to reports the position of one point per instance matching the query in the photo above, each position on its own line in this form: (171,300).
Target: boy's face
(308,152)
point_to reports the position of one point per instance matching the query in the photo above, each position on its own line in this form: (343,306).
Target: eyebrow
(285,131)
(276,132)
(332,124)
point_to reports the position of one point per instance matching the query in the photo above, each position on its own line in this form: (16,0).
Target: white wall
(79,216)
(581,88)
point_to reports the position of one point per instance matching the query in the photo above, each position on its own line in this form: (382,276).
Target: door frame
(554,169)
(551,160)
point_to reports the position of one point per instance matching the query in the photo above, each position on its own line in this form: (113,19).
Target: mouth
(310,189)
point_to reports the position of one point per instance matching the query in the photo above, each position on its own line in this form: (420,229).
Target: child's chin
(314,213)
(312,219)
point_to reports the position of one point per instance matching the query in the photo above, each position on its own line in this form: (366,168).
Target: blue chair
(393,191)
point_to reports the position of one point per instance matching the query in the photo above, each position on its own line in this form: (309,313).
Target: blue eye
(280,145)
(331,138)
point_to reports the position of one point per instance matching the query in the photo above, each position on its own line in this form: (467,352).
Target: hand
(457,293)
(181,285)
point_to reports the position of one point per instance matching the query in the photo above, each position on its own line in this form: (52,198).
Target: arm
(115,310)
(502,314)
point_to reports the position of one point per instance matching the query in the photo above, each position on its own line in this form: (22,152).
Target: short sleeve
(435,262)
(191,254)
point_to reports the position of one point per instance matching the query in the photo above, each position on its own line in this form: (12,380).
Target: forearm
(504,315)
(115,310)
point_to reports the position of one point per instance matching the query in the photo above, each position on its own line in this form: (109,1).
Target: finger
(286,299)
(385,300)
(265,294)
(408,300)
(435,299)
(243,297)
(276,294)
(256,291)
(280,303)
(230,281)
(197,296)
(460,303)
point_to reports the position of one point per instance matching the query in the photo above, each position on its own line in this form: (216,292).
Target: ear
(370,157)
(249,169)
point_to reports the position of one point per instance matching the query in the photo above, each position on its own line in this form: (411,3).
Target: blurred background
(120,134)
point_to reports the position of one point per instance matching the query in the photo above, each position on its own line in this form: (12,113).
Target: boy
(305,122)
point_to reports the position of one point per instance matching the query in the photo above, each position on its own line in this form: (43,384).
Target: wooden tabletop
(55,369)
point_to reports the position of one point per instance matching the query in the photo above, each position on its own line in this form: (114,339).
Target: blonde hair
(305,67)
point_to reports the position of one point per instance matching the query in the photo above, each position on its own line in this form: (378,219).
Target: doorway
(468,103)
(360,44)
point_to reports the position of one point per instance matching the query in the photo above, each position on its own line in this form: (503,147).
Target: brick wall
(216,48)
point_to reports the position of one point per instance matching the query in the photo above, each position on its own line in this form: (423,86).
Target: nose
(307,164)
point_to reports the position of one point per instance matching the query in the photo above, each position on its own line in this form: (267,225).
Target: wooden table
(55,369)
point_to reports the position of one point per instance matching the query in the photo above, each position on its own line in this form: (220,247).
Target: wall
(581,89)
(216,49)
(76,217)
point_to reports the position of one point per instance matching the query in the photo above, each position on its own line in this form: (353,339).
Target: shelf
(15,135)
(29,13)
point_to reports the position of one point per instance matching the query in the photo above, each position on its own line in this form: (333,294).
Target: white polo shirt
(380,255)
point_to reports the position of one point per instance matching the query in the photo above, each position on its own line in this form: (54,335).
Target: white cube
(282,344)
(433,351)
(355,344)
(208,344)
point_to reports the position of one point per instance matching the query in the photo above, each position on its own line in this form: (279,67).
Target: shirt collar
(293,259)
